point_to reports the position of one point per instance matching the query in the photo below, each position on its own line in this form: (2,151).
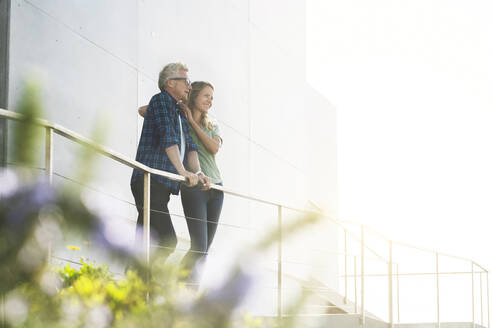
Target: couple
(177,137)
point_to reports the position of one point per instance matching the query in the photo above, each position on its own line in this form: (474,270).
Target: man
(166,144)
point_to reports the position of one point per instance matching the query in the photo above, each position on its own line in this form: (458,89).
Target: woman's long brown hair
(196,87)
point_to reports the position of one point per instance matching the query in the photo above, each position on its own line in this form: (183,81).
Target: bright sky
(412,85)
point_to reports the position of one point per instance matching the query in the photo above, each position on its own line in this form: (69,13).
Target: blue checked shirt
(161,130)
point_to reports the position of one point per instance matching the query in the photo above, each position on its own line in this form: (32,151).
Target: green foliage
(92,285)
(26,135)
(70,275)
(87,155)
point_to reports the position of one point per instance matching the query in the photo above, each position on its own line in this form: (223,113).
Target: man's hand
(204,180)
(191,178)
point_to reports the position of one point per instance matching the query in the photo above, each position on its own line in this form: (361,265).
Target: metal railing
(393,273)
(358,259)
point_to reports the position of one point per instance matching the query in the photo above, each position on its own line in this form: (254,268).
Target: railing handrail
(147,170)
(74,136)
(423,249)
(78,138)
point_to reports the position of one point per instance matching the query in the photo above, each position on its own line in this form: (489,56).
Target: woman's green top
(207,159)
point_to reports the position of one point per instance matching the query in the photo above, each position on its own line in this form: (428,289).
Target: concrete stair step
(334,321)
(322,309)
(434,325)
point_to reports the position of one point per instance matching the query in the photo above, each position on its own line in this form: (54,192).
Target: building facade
(97,61)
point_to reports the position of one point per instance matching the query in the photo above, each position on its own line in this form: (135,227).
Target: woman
(201,207)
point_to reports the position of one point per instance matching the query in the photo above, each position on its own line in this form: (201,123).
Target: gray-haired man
(166,144)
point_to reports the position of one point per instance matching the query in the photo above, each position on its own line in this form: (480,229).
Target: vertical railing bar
(345,259)
(48,164)
(355,285)
(146,226)
(4,323)
(362,269)
(48,160)
(488,301)
(473,293)
(390,284)
(279,267)
(398,290)
(437,292)
(481,302)
(146,218)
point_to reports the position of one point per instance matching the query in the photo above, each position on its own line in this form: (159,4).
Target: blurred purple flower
(223,300)
(21,208)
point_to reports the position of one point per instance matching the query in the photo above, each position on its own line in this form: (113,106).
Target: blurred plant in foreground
(34,214)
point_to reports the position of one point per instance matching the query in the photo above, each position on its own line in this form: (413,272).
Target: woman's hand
(142,110)
(204,180)
(187,112)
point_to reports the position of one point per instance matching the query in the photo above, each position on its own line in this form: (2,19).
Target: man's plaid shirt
(161,130)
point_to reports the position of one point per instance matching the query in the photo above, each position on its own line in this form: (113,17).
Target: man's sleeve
(163,122)
(190,144)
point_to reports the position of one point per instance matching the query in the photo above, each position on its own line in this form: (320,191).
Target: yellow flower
(74,248)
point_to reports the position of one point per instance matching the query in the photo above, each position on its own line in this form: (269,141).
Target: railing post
(437,292)
(362,265)
(3,322)
(488,301)
(146,218)
(355,285)
(473,293)
(48,164)
(390,284)
(48,159)
(398,291)
(279,268)
(345,260)
(481,302)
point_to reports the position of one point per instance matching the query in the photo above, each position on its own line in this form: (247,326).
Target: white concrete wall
(103,58)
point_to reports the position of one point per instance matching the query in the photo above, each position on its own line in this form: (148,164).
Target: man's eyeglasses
(185,79)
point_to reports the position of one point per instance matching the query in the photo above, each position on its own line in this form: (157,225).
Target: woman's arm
(194,166)
(211,144)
